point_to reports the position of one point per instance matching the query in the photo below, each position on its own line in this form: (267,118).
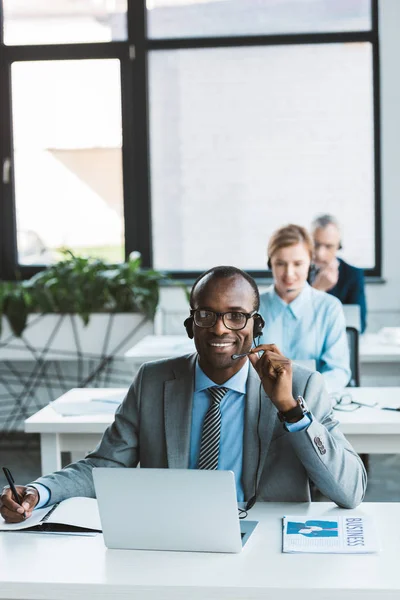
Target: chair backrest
(353,341)
(352,315)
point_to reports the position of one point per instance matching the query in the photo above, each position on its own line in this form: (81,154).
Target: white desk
(77,435)
(370,431)
(379,361)
(153,347)
(53,567)
(374,349)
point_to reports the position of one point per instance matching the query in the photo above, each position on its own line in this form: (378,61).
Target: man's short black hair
(222,272)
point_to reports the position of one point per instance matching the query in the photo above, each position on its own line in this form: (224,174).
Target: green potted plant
(85,288)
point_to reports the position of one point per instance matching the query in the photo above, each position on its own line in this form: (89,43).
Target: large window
(244,140)
(63,21)
(67,159)
(186,129)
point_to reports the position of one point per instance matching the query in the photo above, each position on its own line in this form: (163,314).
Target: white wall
(383,299)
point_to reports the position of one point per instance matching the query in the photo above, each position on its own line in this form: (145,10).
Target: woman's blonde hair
(289,236)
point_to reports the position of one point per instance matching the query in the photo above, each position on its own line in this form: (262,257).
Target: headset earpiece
(340,246)
(188,324)
(259,323)
(269,264)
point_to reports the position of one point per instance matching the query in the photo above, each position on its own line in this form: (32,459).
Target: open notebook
(76,516)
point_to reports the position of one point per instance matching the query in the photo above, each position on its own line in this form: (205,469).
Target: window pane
(67,158)
(245,140)
(64,22)
(197,18)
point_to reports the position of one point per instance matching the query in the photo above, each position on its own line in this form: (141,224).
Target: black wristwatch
(297,412)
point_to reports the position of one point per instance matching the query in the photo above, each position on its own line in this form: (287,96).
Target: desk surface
(153,347)
(373,348)
(55,567)
(363,420)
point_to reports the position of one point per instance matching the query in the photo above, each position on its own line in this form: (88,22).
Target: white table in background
(373,349)
(370,430)
(57,567)
(153,347)
(77,434)
(379,361)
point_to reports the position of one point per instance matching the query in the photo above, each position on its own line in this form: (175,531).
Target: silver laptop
(170,509)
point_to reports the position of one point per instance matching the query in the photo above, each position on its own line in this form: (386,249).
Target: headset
(258,325)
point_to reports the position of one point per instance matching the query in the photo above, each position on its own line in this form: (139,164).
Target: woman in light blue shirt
(303,322)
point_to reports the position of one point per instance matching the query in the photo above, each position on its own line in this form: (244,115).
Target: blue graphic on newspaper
(313,528)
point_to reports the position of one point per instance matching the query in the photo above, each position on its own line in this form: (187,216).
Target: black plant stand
(28,385)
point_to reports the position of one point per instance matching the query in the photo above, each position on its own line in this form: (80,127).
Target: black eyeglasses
(232,319)
(345,402)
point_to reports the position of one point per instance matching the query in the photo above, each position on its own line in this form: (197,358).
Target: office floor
(21,454)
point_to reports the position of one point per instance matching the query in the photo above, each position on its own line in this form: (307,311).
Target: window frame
(133,56)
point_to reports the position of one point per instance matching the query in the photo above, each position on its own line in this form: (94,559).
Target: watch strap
(297,412)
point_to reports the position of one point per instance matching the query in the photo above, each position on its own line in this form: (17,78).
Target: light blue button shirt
(311,327)
(44,494)
(232,422)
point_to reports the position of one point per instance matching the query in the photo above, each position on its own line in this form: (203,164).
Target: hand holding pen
(17,501)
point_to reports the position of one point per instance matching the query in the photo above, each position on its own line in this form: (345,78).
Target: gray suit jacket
(152,426)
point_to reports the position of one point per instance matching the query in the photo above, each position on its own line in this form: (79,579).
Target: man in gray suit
(274,425)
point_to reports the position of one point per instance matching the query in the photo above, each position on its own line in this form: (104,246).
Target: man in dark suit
(334,275)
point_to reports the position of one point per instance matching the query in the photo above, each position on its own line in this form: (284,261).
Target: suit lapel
(255,452)
(178,399)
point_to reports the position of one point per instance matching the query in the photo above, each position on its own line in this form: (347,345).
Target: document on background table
(74,516)
(71,407)
(347,534)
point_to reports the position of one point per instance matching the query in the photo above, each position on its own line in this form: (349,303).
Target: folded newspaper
(339,534)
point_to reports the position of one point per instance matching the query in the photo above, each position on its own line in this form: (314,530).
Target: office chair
(355,379)
(353,342)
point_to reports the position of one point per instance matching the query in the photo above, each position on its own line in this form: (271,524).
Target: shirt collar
(237,383)
(297,307)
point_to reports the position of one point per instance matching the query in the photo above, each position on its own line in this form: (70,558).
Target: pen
(389,408)
(10,480)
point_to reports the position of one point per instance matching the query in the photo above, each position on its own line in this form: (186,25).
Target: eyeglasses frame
(222,314)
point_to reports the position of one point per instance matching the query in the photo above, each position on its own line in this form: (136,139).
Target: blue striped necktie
(210,438)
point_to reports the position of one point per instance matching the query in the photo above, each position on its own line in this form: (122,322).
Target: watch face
(302,403)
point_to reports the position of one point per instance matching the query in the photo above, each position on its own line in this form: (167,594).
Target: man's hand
(327,277)
(11,511)
(275,372)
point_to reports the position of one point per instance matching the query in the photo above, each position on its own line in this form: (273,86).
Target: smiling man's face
(215,345)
